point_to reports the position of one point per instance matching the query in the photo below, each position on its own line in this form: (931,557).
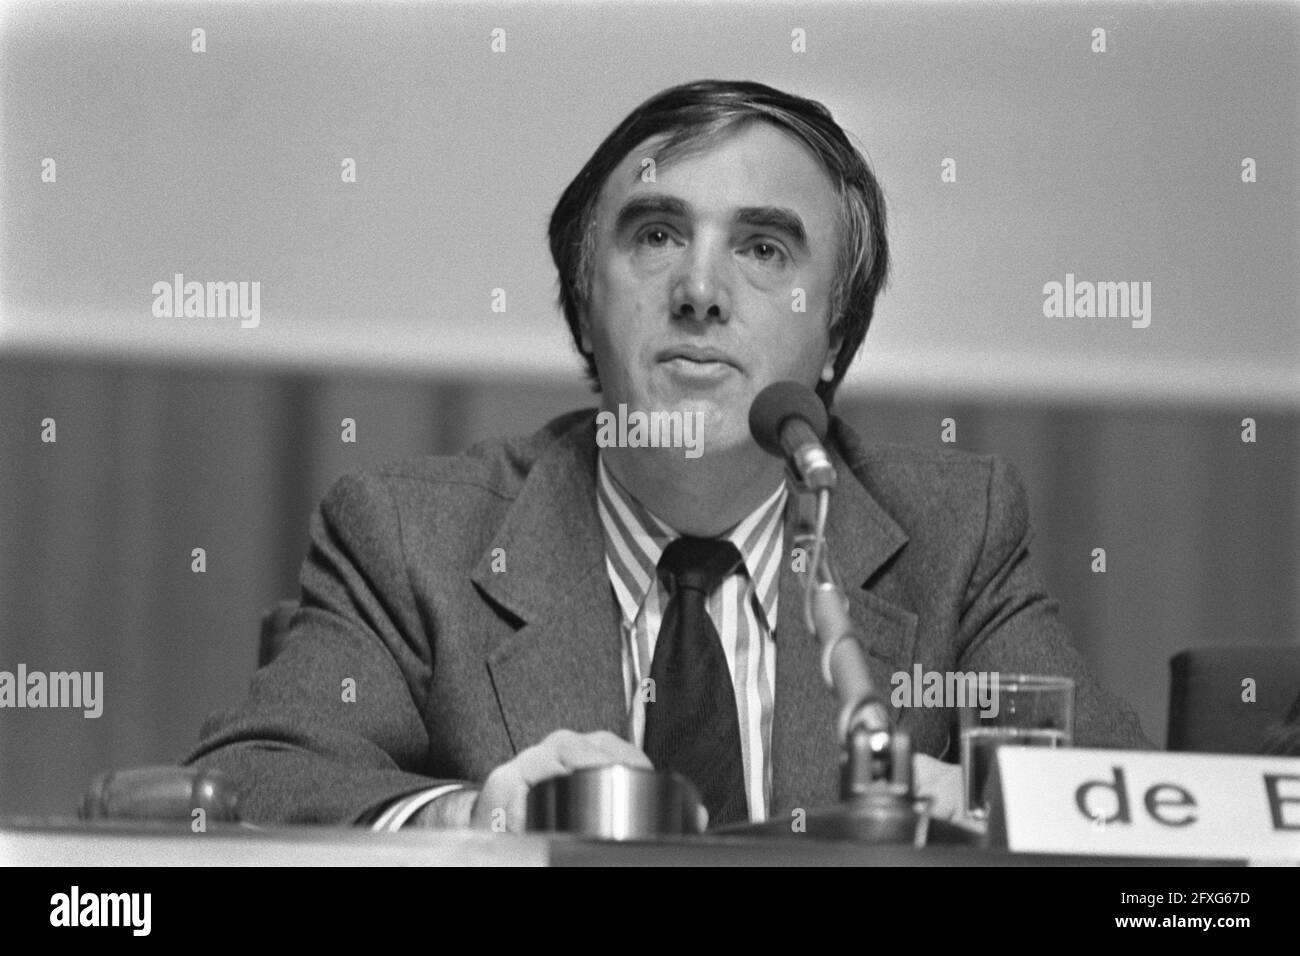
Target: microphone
(789,421)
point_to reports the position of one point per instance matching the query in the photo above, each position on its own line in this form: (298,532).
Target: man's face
(694,278)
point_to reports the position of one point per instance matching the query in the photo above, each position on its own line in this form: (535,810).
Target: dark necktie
(691,726)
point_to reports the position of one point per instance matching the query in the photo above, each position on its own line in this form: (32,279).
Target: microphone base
(892,822)
(879,818)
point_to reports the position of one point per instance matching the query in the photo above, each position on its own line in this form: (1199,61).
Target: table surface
(70,843)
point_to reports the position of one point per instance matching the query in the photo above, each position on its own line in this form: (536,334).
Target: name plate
(1144,803)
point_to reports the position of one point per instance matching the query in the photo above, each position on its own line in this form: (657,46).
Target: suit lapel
(861,538)
(563,667)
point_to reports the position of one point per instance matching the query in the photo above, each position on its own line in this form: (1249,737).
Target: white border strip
(540,352)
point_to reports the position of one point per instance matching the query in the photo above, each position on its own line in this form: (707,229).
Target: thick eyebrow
(638,207)
(767,217)
(777,218)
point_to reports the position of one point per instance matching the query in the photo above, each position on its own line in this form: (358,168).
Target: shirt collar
(635,538)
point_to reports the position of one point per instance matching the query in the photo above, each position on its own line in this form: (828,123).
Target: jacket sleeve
(331,730)
(1009,624)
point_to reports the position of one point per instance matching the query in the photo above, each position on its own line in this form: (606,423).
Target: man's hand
(942,783)
(503,798)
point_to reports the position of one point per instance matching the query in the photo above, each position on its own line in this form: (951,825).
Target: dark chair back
(1209,706)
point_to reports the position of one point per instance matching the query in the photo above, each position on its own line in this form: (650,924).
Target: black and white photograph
(652,434)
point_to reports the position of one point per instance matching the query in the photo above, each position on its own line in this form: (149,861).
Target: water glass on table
(1029,710)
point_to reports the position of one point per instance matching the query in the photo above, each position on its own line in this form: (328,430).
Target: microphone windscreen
(778,402)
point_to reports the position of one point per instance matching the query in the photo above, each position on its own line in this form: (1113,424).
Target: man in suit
(472,625)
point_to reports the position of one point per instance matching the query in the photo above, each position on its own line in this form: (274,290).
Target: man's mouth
(697,358)
(696,366)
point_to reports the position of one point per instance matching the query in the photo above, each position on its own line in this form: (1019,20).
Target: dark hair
(693,115)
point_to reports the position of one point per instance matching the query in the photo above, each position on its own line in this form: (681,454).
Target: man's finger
(620,750)
(504,797)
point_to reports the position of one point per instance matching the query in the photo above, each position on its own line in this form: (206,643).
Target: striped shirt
(743,609)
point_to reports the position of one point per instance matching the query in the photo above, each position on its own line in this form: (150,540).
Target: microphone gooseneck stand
(789,420)
(877,803)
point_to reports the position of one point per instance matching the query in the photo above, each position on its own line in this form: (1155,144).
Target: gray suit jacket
(412,661)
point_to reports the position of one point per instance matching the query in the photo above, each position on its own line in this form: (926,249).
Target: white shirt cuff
(400,811)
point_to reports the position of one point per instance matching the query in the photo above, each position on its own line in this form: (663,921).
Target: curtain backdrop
(1201,530)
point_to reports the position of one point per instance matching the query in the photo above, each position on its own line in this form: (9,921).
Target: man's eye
(655,238)
(768,252)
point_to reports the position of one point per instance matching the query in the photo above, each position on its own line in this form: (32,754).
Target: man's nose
(701,289)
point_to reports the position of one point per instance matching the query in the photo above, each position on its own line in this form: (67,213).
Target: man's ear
(832,352)
(584,330)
